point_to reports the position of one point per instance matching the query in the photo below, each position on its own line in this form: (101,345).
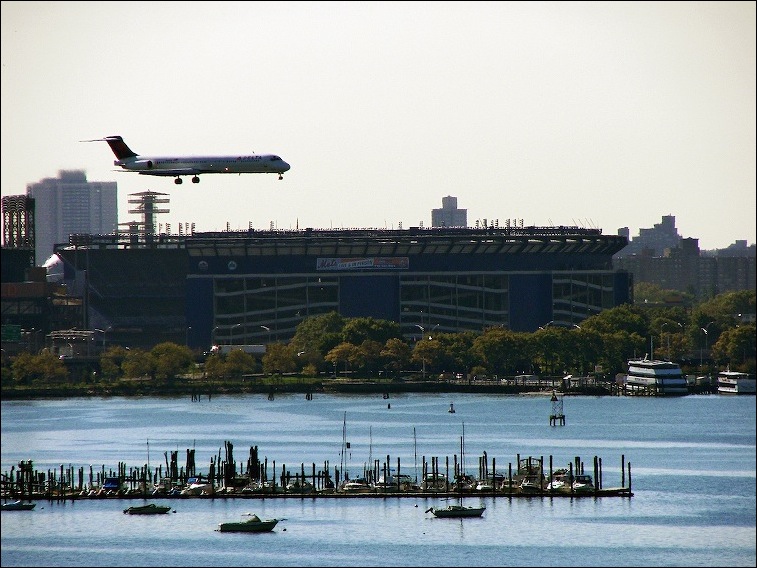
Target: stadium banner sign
(363,263)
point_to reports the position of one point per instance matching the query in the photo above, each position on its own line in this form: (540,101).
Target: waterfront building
(254,287)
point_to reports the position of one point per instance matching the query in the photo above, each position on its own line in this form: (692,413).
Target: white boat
(583,483)
(736,382)
(559,480)
(356,485)
(396,482)
(656,377)
(434,482)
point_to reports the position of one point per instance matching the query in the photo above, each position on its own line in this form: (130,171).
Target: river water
(692,460)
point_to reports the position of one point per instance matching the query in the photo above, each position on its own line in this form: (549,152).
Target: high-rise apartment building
(69,204)
(449,215)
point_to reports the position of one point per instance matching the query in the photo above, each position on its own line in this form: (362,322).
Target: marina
(687,481)
(528,479)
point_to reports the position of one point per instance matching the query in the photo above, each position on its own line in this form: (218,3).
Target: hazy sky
(594,114)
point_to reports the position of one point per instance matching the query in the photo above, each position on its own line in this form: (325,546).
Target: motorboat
(434,482)
(456,511)
(149,509)
(299,486)
(396,482)
(266,486)
(657,377)
(252,524)
(531,484)
(559,480)
(198,486)
(735,382)
(357,485)
(18,506)
(464,483)
(583,484)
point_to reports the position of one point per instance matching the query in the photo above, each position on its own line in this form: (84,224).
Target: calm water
(693,467)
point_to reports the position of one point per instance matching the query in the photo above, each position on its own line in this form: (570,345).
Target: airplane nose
(284,166)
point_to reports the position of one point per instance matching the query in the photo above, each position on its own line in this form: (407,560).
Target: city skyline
(603,115)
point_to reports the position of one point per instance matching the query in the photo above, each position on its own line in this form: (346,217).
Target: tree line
(704,338)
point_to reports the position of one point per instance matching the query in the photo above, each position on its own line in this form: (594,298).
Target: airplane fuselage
(177,166)
(192,165)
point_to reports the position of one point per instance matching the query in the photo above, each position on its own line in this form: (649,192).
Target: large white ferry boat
(735,382)
(656,377)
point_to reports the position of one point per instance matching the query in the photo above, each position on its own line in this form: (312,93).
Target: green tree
(215,366)
(396,354)
(43,367)
(317,335)
(369,356)
(171,360)
(138,363)
(239,363)
(279,358)
(358,330)
(736,348)
(111,361)
(343,353)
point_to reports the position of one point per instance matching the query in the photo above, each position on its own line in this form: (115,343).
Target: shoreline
(142,388)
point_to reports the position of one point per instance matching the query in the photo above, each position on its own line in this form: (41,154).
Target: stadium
(255,287)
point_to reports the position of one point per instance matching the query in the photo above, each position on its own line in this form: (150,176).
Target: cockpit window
(275,158)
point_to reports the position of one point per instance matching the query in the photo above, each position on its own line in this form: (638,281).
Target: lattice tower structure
(147,202)
(18,221)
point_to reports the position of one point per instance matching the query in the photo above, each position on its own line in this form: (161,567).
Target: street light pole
(268,329)
(186,341)
(662,329)
(706,333)
(423,359)
(232,331)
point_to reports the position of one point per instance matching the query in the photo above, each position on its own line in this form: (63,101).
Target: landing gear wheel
(178,181)
(281,177)
(195,179)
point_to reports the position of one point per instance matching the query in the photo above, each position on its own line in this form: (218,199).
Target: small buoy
(389,405)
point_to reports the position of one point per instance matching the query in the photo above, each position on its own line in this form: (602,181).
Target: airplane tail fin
(119,147)
(117,144)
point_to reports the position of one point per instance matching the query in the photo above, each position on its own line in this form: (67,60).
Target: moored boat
(357,485)
(736,382)
(149,509)
(583,483)
(18,506)
(456,511)
(656,377)
(253,524)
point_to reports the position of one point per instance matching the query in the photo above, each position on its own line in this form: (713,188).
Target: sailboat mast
(343,462)
(462,452)
(415,450)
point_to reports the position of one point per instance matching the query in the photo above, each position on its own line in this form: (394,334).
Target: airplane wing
(173,173)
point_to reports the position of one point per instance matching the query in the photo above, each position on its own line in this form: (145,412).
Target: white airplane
(177,166)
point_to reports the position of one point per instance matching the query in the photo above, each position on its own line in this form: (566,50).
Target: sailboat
(458,511)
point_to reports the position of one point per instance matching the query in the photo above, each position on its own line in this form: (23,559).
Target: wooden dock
(527,477)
